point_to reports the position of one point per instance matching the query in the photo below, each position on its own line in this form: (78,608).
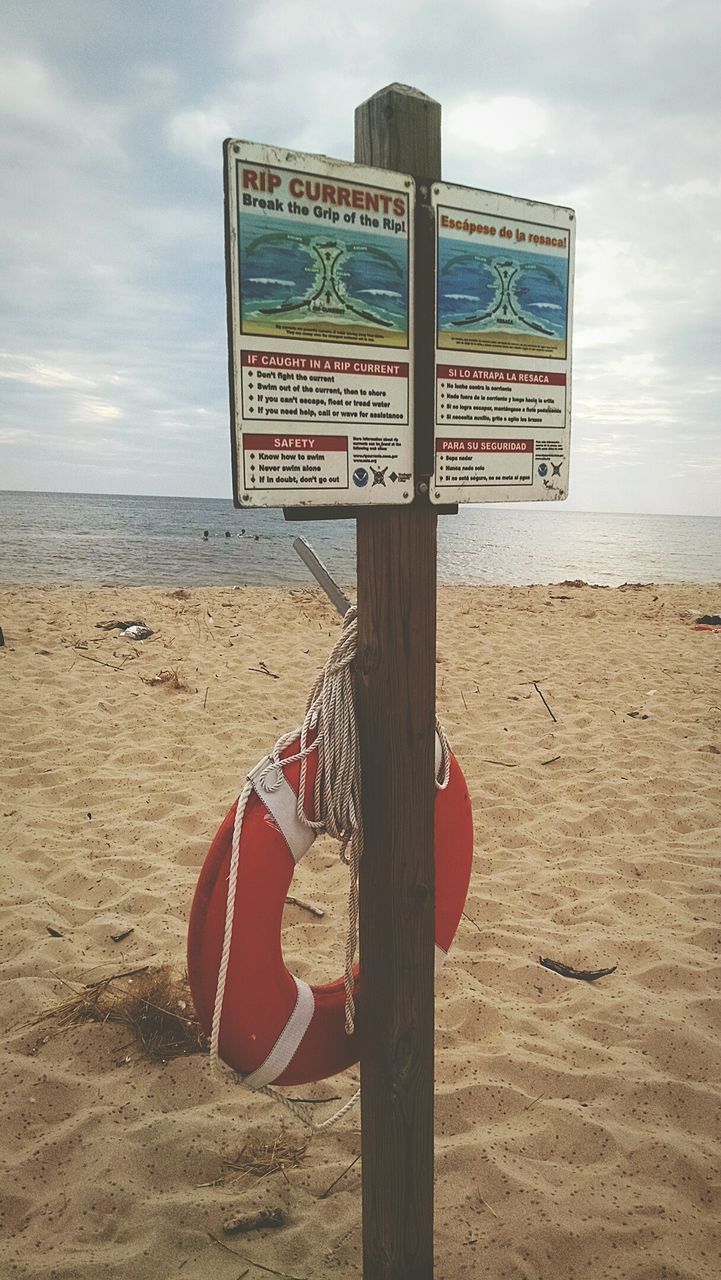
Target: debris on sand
(261,1156)
(254,1221)
(567,970)
(171,680)
(154,1004)
(117,625)
(137,632)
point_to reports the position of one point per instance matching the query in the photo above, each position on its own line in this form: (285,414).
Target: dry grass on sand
(155,1004)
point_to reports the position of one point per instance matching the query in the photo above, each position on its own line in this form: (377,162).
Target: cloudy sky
(113,347)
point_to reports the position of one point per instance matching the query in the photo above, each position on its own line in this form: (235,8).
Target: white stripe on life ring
(281,801)
(288,1041)
(274,791)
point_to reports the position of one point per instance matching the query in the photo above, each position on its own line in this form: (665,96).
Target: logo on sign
(543,469)
(360,477)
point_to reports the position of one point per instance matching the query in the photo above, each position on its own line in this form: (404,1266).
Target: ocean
(64,538)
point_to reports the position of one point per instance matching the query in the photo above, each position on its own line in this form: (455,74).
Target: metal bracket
(337,597)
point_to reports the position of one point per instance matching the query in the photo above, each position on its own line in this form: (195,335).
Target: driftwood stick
(255,1221)
(271,1271)
(90,658)
(306,906)
(535,1100)
(543,700)
(114,977)
(504,763)
(488,1206)
(334,1097)
(566,970)
(328,1190)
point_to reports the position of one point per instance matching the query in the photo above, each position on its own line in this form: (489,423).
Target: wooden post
(399,128)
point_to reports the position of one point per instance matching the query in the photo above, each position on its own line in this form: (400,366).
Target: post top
(403,91)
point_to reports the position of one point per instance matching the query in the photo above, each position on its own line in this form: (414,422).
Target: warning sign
(318,256)
(272,462)
(478,461)
(504,273)
(290,388)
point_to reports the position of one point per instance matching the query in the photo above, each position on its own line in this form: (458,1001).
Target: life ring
(275,1028)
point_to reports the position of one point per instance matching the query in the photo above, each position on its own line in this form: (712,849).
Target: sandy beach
(578,1125)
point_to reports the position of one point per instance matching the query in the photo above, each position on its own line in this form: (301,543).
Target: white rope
(444,772)
(329,728)
(228,932)
(325,1124)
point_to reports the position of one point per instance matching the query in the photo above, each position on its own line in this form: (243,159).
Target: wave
(287,284)
(545,306)
(461,297)
(381,293)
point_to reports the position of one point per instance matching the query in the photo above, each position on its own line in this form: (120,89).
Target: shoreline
(308,583)
(577,1124)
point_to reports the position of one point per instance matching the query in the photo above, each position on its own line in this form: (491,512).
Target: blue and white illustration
(324,283)
(501,298)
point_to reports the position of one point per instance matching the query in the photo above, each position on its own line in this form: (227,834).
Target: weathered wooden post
(321,424)
(399,128)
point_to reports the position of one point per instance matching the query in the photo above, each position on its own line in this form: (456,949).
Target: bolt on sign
(318,260)
(504,279)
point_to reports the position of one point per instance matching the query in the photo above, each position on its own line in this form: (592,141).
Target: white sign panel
(504,281)
(318,256)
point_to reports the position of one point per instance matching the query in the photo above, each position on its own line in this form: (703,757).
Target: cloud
(111,252)
(91,409)
(499,123)
(32,371)
(199,133)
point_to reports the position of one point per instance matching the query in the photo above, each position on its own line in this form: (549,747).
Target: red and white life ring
(275,1028)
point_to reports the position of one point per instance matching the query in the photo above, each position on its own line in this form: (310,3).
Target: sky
(113,349)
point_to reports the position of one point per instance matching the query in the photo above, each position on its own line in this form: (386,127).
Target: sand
(578,1126)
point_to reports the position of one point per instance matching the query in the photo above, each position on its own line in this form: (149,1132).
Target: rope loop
(271,777)
(443,777)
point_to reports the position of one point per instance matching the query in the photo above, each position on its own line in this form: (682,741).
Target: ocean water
(60,538)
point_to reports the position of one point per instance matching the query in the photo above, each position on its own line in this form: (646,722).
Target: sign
(504,277)
(318,256)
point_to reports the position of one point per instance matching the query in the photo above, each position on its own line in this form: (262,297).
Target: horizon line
(505,506)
